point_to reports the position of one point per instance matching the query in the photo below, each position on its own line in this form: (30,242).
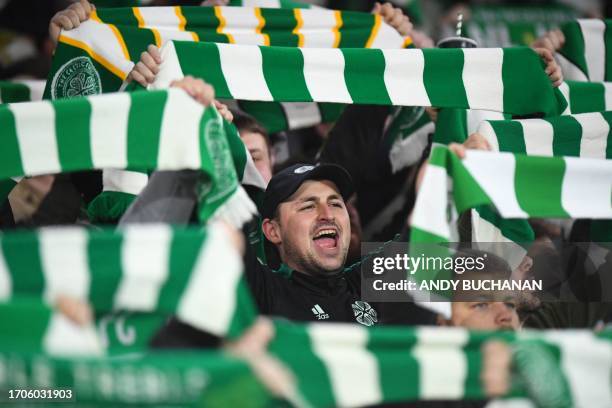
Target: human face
(314,228)
(258,148)
(485,314)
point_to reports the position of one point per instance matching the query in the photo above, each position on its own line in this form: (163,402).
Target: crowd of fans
(330,188)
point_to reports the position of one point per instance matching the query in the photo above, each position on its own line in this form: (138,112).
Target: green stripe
(136,39)
(283,69)
(22,255)
(279,27)
(330,112)
(72,118)
(312,376)
(10,156)
(207,65)
(567,135)
(269,114)
(104,250)
(246,310)
(203,22)
(538,182)
(510,136)
(607,116)
(451,126)
(144,126)
(419,235)
(586,97)
(573,49)
(608,43)
(11,92)
(184,250)
(521,63)
(364,73)
(239,153)
(23,324)
(356,29)
(393,366)
(443,77)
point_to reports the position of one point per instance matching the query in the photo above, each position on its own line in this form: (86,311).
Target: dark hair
(247,123)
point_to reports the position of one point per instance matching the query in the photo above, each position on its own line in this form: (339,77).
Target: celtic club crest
(364,313)
(219,150)
(77,77)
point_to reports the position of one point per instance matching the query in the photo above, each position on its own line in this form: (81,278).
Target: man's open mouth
(326,238)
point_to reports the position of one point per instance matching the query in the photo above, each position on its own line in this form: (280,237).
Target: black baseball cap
(287,181)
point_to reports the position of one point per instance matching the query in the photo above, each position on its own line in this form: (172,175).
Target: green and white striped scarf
(113,39)
(584,97)
(191,273)
(21,91)
(587,52)
(584,135)
(517,186)
(337,365)
(162,379)
(504,80)
(163,130)
(348,366)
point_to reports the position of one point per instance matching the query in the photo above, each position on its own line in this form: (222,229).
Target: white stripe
(241,23)
(63,337)
(170,68)
(352,369)
(482,78)
(319,309)
(324,75)
(179,141)
(486,130)
(570,71)
(165,20)
(108,127)
(301,114)
(101,39)
(587,188)
(491,239)
(210,298)
(594,48)
(6,284)
(145,259)
(565,91)
(595,130)
(63,254)
(538,135)
(443,370)
(35,125)
(243,71)
(404,77)
(387,37)
(431,204)
(261,3)
(317,28)
(608,95)
(586,363)
(131,182)
(495,174)
(475,117)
